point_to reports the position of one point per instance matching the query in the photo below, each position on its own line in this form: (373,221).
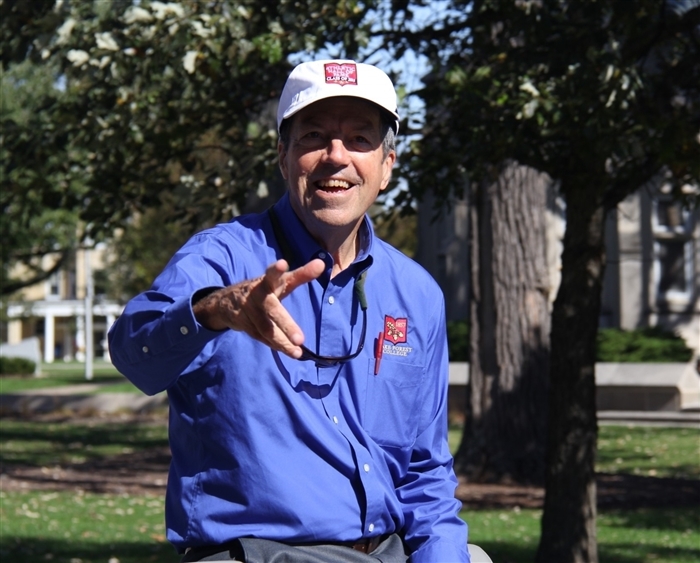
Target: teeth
(342,184)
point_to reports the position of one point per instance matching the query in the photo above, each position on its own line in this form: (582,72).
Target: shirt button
(366,467)
(335,419)
(331,300)
(145,349)
(322,255)
(183,330)
(371,528)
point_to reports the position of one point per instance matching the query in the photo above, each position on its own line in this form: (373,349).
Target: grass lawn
(41,444)
(640,536)
(82,528)
(640,450)
(652,451)
(60,374)
(69,527)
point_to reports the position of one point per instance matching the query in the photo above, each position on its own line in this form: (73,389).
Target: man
(305,360)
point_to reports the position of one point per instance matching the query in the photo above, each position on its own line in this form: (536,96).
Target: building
(653,272)
(652,276)
(55,311)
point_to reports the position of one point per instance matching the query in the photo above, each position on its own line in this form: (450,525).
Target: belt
(365,545)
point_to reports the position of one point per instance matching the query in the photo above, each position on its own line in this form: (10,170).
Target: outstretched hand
(255,306)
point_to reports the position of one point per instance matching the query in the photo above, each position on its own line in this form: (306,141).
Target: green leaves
(564,88)
(270,47)
(643,345)
(158,98)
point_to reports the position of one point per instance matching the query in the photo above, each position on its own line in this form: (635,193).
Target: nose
(336,152)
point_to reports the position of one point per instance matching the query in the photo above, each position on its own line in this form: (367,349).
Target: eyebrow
(356,121)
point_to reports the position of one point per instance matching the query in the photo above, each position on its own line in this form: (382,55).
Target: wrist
(205,306)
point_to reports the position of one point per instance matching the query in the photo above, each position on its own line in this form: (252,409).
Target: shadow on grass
(38,443)
(504,552)
(676,519)
(626,491)
(26,550)
(630,553)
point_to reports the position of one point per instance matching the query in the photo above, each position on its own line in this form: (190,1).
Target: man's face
(334,165)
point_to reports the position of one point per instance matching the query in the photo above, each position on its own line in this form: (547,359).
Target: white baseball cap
(317,80)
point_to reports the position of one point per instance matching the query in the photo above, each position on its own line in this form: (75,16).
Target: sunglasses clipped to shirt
(359,288)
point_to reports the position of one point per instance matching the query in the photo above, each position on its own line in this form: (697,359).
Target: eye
(363,143)
(310,139)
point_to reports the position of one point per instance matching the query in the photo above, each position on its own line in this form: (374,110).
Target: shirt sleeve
(157,338)
(433,529)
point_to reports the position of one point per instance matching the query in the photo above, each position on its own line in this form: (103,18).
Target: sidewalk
(84,399)
(690,419)
(78,399)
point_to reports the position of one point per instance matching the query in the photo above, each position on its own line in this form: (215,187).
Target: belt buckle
(367,545)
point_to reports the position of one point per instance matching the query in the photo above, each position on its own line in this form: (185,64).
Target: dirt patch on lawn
(145,472)
(621,491)
(139,472)
(136,473)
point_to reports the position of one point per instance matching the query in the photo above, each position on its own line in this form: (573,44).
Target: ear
(387,166)
(282,154)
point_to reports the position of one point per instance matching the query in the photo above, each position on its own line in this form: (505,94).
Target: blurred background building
(58,310)
(652,276)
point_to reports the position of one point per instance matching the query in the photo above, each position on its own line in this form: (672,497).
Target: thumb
(304,274)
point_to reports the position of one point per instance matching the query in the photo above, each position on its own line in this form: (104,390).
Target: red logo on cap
(341,74)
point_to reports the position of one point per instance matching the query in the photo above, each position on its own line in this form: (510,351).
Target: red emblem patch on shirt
(341,74)
(395,330)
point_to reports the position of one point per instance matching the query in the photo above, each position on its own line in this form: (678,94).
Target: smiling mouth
(333,186)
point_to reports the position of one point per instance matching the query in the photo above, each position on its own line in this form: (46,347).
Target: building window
(53,287)
(673,250)
(72,286)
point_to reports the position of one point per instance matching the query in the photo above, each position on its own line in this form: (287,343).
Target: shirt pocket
(392,402)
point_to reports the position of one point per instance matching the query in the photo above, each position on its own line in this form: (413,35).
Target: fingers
(255,306)
(274,274)
(292,280)
(283,332)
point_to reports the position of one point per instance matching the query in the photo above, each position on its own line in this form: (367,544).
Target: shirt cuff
(438,551)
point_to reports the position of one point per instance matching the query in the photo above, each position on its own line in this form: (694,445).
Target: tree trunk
(568,522)
(505,427)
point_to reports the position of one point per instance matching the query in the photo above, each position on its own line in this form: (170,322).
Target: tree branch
(11,286)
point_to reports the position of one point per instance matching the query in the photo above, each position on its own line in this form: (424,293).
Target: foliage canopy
(154,100)
(602,96)
(599,93)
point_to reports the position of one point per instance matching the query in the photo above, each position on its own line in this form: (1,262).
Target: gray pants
(252,550)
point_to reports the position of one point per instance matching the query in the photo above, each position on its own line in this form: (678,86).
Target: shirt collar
(305,247)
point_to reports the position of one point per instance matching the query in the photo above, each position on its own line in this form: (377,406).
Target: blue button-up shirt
(267,446)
